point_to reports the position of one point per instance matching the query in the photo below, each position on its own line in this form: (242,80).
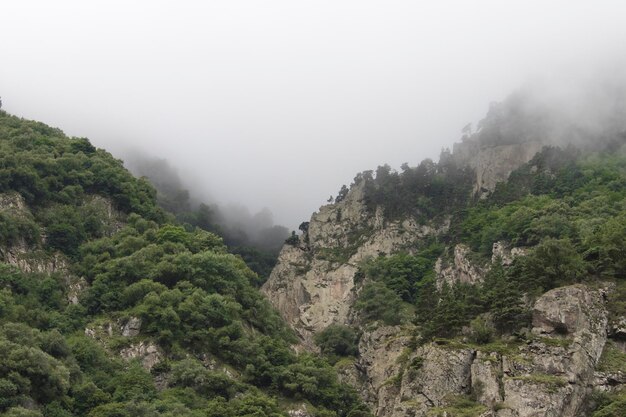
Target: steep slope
(108,308)
(485,284)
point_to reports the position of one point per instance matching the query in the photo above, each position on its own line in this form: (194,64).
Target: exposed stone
(112,219)
(461,270)
(312,285)
(550,374)
(486,372)
(147,352)
(617,328)
(132,327)
(100,332)
(493,164)
(568,310)
(13,203)
(505,253)
(75,289)
(529,398)
(301,410)
(609,381)
(553,377)
(31,260)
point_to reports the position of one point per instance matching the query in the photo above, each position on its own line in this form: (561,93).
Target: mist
(585,110)
(234,222)
(276,104)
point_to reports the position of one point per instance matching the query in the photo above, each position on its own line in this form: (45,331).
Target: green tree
(504,299)
(337,339)
(552,263)
(377,302)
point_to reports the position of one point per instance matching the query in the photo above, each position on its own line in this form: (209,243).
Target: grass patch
(616,303)
(552,383)
(498,346)
(459,406)
(345,362)
(394,381)
(555,342)
(612,359)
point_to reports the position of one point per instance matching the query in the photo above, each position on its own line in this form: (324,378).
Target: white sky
(279,103)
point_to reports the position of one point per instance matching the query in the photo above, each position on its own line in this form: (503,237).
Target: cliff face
(551,372)
(313,285)
(493,164)
(313,282)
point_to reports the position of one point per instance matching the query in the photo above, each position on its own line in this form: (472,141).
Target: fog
(278,103)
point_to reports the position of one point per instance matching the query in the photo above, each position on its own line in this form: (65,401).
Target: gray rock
(493,164)
(486,374)
(461,269)
(132,327)
(147,352)
(312,285)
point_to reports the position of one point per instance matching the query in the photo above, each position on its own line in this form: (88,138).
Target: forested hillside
(491,283)
(109,308)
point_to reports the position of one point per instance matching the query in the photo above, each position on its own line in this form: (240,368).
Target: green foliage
(426,191)
(503,298)
(195,300)
(191,373)
(480,331)
(550,264)
(377,302)
(259,261)
(457,305)
(311,378)
(549,383)
(45,166)
(292,240)
(14,228)
(560,195)
(612,406)
(612,359)
(337,339)
(402,272)
(459,406)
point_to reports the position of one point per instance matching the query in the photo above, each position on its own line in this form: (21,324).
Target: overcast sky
(279,103)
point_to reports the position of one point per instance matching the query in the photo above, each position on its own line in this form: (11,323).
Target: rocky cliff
(550,369)
(313,282)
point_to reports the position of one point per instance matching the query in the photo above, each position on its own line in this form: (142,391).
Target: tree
(552,263)
(377,302)
(341,195)
(504,299)
(337,339)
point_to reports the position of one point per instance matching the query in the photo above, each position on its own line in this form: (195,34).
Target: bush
(337,339)
(377,302)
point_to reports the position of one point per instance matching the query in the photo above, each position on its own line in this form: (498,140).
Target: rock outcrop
(147,352)
(34,258)
(548,371)
(494,163)
(551,374)
(313,284)
(459,269)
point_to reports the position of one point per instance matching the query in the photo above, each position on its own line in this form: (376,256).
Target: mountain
(491,283)
(110,308)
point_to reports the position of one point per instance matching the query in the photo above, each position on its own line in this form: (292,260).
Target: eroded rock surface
(494,163)
(550,375)
(147,352)
(313,284)
(459,269)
